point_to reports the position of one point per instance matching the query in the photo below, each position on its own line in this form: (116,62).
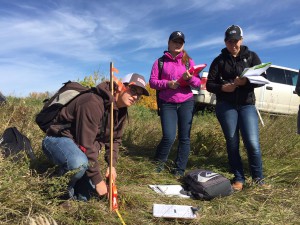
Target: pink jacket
(172,70)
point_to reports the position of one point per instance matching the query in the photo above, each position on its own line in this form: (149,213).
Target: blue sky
(47,42)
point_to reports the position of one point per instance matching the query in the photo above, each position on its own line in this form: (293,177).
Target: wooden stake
(111,139)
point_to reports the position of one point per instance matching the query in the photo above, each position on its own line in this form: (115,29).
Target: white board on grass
(174,211)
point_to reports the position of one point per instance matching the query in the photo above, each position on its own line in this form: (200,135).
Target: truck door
(276,95)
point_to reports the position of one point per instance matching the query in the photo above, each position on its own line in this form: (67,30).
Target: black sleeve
(214,84)
(298,84)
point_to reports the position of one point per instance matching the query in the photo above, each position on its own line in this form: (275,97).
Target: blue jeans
(243,119)
(62,151)
(171,116)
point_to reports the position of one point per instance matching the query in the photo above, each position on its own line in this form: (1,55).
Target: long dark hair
(185,58)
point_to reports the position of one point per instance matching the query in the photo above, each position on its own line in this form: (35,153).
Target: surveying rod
(111,138)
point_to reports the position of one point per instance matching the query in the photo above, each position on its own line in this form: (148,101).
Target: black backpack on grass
(69,91)
(206,185)
(13,142)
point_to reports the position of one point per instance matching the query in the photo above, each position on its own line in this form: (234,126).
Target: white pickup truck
(277,97)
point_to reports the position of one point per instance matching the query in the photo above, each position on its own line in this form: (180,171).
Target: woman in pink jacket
(175,100)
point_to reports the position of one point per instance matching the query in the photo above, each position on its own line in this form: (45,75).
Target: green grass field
(29,189)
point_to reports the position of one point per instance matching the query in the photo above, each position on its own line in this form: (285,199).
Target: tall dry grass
(30,190)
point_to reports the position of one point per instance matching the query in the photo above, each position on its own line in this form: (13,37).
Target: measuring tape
(119,215)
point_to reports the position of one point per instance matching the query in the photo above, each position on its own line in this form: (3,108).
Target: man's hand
(101,188)
(113,172)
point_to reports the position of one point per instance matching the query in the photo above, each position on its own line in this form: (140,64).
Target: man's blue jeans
(171,116)
(243,119)
(63,151)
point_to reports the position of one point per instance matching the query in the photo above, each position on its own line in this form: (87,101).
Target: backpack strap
(187,65)
(160,67)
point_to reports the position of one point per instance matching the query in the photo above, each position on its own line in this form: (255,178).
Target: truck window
(292,77)
(276,75)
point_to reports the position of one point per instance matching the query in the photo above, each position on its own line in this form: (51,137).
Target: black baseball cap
(177,35)
(233,32)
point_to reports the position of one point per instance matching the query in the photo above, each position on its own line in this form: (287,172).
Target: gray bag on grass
(206,185)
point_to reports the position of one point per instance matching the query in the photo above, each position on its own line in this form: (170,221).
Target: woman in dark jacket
(235,108)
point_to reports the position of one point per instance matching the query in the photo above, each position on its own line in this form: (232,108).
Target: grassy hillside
(30,189)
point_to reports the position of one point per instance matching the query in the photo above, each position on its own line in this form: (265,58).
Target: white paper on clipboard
(174,211)
(170,190)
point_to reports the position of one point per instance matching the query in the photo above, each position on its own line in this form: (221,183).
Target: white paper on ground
(174,211)
(169,190)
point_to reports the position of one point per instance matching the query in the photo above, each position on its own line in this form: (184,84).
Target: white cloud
(296,22)
(211,42)
(289,41)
